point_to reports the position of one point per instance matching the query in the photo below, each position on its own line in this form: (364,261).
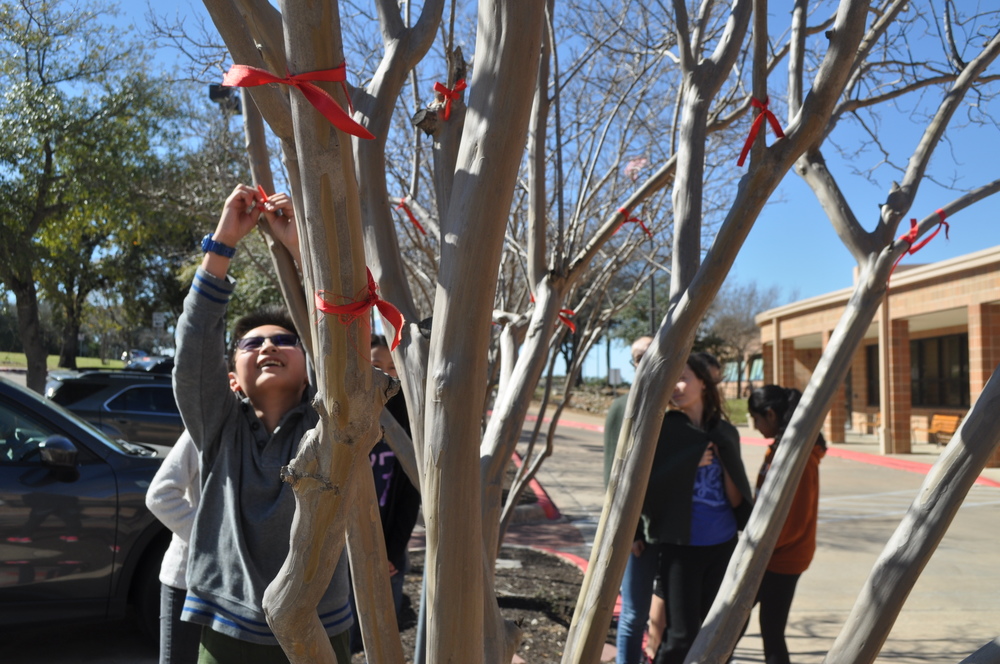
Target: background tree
(79,116)
(730,331)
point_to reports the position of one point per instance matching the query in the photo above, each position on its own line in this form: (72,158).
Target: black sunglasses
(281,339)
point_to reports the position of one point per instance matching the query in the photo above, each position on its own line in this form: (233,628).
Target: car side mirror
(58,452)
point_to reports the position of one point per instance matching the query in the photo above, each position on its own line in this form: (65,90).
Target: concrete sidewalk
(952,611)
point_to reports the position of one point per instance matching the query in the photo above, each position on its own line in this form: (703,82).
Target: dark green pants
(218,648)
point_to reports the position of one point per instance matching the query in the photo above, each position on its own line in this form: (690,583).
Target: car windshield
(116,445)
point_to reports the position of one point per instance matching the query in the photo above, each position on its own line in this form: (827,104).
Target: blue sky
(792,245)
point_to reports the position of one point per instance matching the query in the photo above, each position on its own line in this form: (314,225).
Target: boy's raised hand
(237,218)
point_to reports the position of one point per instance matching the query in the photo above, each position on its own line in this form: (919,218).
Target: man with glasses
(245,435)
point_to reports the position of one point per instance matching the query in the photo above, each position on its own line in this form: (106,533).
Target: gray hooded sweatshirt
(240,537)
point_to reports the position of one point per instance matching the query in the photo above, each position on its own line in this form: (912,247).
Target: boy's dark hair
(269,314)
(379,340)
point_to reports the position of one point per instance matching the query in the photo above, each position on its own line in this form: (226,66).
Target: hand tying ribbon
(244,76)
(758,122)
(627,219)
(261,197)
(352,310)
(409,213)
(911,237)
(449,95)
(564,318)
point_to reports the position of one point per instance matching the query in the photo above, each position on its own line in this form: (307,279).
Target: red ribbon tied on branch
(354,309)
(911,236)
(628,219)
(244,76)
(758,122)
(564,318)
(409,213)
(564,315)
(449,94)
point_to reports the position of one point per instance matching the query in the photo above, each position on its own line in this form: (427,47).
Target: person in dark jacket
(399,500)
(698,499)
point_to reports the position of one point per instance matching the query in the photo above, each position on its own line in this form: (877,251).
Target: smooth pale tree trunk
(510,410)
(366,547)
(916,538)
(404,48)
(988,654)
(734,600)
(351,393)
(506,47)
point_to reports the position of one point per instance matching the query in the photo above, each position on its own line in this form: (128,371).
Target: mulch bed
(537,589)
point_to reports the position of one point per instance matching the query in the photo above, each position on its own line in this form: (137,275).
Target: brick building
(931,355)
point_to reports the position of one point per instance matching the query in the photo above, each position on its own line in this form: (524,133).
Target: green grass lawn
(737,409)
(18,360)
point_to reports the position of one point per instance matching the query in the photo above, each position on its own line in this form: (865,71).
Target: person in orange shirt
(771,408)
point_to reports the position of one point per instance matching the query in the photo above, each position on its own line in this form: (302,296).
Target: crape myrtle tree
(441,473)
(335,189)
(856,64)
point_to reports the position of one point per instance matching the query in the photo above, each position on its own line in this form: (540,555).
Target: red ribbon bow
(244,76)
(564,317)
(409,213)
(449,95)
(911,236)
(628,219)
(758,122)
(352,310)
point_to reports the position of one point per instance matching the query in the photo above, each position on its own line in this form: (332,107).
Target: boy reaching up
(247,420)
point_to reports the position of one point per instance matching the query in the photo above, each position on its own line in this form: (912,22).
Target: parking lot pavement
(118,642)
(15,375)
(952,610)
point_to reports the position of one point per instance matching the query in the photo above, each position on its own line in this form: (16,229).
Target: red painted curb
(906,465)
(582,565)
(548,507)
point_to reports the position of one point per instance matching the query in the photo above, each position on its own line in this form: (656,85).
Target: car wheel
(145,589)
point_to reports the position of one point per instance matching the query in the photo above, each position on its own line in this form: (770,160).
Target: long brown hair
(712,410)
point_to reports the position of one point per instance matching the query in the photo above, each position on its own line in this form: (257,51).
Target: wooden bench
(942,428)
(872,422)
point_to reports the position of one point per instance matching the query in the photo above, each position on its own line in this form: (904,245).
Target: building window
(871,374)
(939,371)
